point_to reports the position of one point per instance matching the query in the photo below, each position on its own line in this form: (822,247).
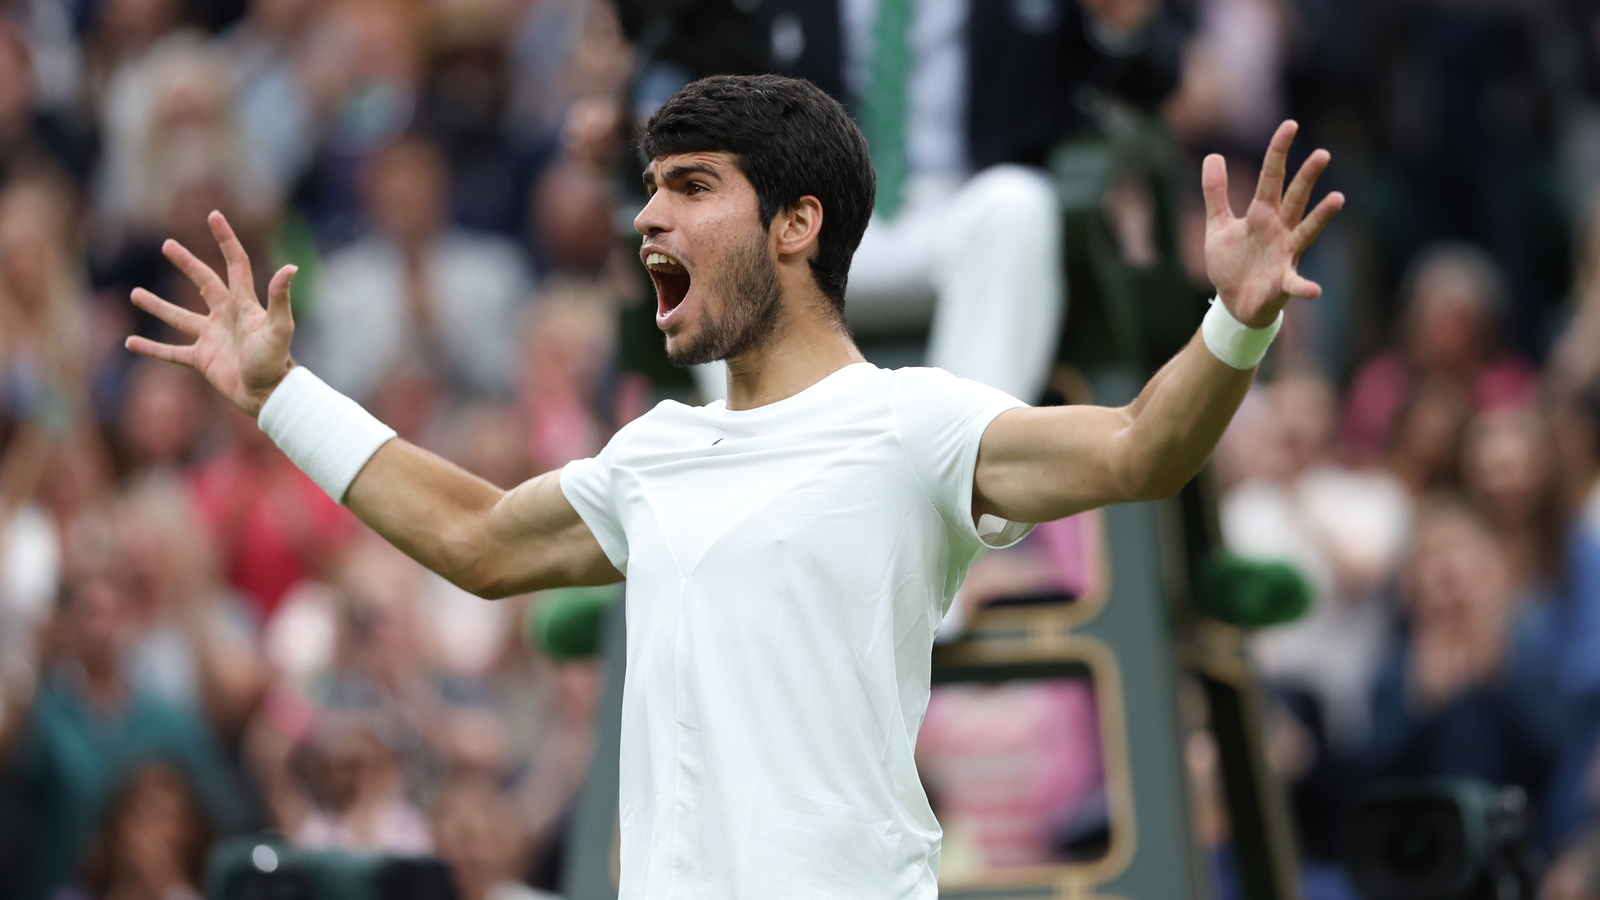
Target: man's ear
(796,229)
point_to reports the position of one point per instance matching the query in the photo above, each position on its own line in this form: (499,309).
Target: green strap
(883,106)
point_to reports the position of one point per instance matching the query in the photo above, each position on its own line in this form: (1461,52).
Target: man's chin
(683,351)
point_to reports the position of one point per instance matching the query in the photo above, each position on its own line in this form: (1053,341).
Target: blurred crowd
(195,641)
(1425,446)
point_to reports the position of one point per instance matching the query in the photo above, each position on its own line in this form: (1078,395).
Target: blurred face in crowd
(717,289)
(160,417)
(16,85)
(1459,579)
(158,834)
(1427,434)
(358,768)
(477,834)
(92,625)
(572,212)
(490,445)
(1449,317)
(1305,409)
(377,622)
(407,191)
(33,229)
(1507,465)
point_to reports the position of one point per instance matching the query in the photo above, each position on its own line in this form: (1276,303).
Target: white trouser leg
(1001,285)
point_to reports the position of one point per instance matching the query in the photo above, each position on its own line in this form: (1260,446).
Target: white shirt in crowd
(1346,532)
(360,329)
(787,569)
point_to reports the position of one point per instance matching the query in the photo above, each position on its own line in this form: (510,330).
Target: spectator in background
(1510,471)
(159,423)
(31,139)
(169,125)
(568,343)
(1343,529)
(364,796)
(43,329)
(43,332)
(270,525)
(481,837)
(274,115)
(361,68)
(573,202)
(1231,95)
(1425,440)
(417,289)
(463,109)
(1576,874)
(1455,296)
(88,727)
(961,103)
(564,51)
(1469,691)
(153,845)
(192,645)
(1460,104)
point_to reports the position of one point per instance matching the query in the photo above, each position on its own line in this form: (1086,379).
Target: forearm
(1177,419)
(487,541)
(1041,464)
(433,511)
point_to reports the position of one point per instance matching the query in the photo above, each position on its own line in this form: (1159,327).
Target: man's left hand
(1252,260)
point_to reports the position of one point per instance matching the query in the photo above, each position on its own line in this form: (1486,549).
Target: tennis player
(789,553)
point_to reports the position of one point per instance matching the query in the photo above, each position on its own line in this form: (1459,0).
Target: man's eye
(696,187)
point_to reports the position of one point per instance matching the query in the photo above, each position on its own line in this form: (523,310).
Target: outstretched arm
(1035,465)
(489,541)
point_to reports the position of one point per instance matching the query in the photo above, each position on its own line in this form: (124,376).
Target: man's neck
(807,348)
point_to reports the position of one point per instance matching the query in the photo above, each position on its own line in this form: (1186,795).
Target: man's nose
(651,220)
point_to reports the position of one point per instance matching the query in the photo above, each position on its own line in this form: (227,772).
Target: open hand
(1252,260)
(241,348)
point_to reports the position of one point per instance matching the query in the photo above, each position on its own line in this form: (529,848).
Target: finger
(239,277)
(1308,229)
(1299,192)
(1270,186)
(1214,185)
(278,305)
(182,319)
(1296,286)
(212,288)
(172,353)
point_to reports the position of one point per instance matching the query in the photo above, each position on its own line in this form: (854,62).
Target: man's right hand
(241,348)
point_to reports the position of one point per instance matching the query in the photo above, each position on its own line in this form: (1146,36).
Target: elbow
(482,577)
(464,563)
(1159,489)
(1155,483)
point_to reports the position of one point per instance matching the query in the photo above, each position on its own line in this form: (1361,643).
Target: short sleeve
(940,420)
(587,484)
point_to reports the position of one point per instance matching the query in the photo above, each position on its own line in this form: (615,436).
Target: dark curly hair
(791,140)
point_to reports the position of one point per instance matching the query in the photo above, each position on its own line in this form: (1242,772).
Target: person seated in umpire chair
(961,102)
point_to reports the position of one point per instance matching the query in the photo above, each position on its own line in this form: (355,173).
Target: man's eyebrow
(677,172)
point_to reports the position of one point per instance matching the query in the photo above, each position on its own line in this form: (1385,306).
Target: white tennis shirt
(787,568)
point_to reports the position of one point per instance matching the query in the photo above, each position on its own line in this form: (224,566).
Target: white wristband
(328,435)
(1235,343)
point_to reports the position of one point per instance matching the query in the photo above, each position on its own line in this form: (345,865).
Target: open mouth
(672,282)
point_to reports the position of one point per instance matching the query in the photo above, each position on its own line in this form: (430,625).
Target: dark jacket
(1029,61)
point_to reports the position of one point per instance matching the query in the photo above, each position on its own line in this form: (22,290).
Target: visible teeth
(661,259)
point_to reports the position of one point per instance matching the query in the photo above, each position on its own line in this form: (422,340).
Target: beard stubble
(750,313)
